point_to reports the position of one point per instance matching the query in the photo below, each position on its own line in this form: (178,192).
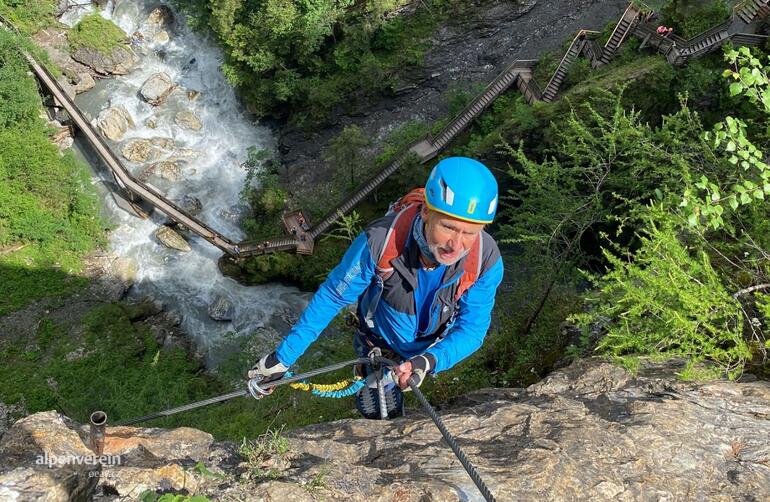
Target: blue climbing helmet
(462,188)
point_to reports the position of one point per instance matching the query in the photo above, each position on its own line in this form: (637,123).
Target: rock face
(171,239)
(590,432)
(120,61)
(156,89)
(114,122)
(27,450)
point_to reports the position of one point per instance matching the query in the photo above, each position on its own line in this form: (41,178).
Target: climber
(424,276)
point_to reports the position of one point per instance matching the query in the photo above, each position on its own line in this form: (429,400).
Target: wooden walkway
(741,29)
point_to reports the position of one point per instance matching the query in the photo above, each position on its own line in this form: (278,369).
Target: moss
(95,32)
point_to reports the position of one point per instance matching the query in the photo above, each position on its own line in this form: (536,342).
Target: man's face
(449,239)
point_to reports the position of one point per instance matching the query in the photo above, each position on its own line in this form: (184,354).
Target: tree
(347,153)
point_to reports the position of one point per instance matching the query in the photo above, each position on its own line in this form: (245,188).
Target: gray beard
(434,250)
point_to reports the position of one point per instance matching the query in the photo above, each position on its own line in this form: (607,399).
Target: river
(189,282)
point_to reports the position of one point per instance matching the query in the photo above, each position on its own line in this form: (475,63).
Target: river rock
(161,37)
(165,169)
(191,205)
(183,154)
(156,89)
(114,122)
(62,137)
(188,120)
(85,82)
(161,16)
(193,95)
(171,239)
(120,61)
(144,150)
(221,309)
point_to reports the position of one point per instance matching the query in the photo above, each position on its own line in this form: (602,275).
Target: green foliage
(346,228)
(48,210)
(304,59)
(744,177)
(692,17)
(29,16)
(604,161)
(264,454)
(96,32)
(667,299)
(150,496)
(346,153)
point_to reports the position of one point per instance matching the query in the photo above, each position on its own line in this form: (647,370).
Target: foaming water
(211,171)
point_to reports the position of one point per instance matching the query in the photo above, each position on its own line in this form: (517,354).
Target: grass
(29,16)
(95,32)
(49,217)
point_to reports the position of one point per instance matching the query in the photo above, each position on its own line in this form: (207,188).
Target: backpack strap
(471,267)
(395,239)
(406,209)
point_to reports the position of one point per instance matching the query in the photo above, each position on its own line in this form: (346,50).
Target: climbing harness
(260,388)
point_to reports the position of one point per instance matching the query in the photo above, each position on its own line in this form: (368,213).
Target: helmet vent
(448,195)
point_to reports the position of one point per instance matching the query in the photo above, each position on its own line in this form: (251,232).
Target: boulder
(171,239)
(62,137)
(114,122)
(193,95)
(156,89)
(161,37)
(191,205)
(85,82)
(146,150)
(221,309)
(188,120)
(120,60)
(165,169)
(183,154)
(161,16)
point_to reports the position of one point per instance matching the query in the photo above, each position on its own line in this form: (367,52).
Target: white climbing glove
(268,368)
(418,367)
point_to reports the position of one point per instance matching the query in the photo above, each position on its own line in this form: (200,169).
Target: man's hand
(269,368)
(418,367)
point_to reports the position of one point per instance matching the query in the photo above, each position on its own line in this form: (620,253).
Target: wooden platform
(297,226)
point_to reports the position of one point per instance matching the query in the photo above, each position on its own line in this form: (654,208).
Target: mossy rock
(95,32)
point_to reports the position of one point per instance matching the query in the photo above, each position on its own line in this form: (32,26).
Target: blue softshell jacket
(457,327)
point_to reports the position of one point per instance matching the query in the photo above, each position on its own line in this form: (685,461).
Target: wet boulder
(161,17)
(188,120)
(171,239)
(221,309)
(164,169)
(114,122)
(84,82)
(191,205)
(161,37)
(118,61)
(156,89)
(146,150)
